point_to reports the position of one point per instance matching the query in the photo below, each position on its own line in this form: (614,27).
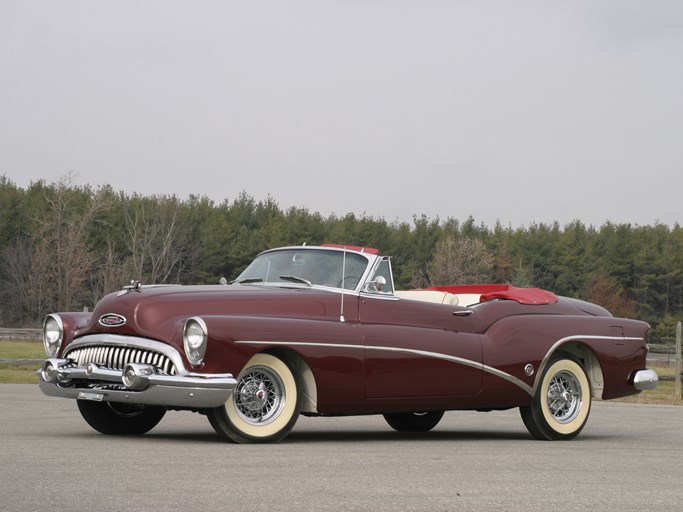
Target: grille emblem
(112,320)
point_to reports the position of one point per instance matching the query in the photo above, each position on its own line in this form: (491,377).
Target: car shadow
(392,436)
(337,436)
(352,436)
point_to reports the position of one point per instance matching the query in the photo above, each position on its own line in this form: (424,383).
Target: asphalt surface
(629,457)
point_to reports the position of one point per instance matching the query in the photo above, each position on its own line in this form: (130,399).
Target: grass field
(25,373)
(21,350)
(664,394)
(20,372)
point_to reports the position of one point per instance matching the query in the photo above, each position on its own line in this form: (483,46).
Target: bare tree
(155,235)
(110,275)
(17,294)
(460,260)
(62,259)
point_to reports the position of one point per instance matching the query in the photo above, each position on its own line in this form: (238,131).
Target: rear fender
(590,364)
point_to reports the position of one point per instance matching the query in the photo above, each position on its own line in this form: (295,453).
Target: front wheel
(120,419)
(413,421)
(263,407)
(562,402)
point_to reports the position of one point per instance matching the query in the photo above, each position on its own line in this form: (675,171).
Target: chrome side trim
(531,390)
(435,355)
(379,296)
(566,339)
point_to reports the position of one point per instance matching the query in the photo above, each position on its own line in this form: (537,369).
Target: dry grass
(21,350)
(21,373)
(664,393)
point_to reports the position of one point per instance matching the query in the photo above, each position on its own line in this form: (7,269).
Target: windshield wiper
(296,279)
(247,280)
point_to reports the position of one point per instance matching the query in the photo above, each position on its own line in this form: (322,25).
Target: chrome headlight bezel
(195,337)
(53,334)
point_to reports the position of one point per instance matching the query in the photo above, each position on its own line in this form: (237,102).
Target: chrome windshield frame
(371,263)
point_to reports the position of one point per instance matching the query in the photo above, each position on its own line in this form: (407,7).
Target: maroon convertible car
(321,331)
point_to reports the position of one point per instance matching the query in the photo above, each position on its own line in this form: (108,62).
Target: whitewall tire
(263,407)
(562,402)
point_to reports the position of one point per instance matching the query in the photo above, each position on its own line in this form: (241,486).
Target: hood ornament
(134,286)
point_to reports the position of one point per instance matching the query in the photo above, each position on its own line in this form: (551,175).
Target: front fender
(326,347)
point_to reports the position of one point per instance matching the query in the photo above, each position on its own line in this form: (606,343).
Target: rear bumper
(645,379)
(135,384)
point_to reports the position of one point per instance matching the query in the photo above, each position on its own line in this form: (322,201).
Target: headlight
(53,334)
(195,336)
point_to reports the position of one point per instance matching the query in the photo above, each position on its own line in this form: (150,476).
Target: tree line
(63,247)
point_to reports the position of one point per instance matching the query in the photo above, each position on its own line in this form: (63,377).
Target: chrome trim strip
(371,259)
(435,355)
(378,295)
(320,287)
(562,341)
(531,390)
(510,378)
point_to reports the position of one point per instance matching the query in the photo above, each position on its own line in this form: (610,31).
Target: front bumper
(135,384)
(645,379)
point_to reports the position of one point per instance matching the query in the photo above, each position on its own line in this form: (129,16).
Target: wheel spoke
(564,397)
(263,406)
(259,396)
(561,403)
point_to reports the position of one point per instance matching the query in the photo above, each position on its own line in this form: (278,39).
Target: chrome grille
(116,357)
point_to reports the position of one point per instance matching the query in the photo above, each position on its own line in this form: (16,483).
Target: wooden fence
(679,362)
(20,334)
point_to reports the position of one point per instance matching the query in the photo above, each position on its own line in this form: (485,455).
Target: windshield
(306,266)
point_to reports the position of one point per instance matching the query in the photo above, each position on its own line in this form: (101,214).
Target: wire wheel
(562,402)
(263,407)
(259,396)
(564,397)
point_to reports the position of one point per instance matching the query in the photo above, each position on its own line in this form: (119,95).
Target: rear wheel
(562,403)
(120,419)
(414,421)
(263,407)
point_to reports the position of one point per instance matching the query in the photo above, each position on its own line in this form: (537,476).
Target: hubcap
(259,396)
(564,397)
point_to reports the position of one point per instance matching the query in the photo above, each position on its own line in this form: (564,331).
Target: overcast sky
(521,111)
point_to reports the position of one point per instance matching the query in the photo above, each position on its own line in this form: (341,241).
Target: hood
(158,312)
